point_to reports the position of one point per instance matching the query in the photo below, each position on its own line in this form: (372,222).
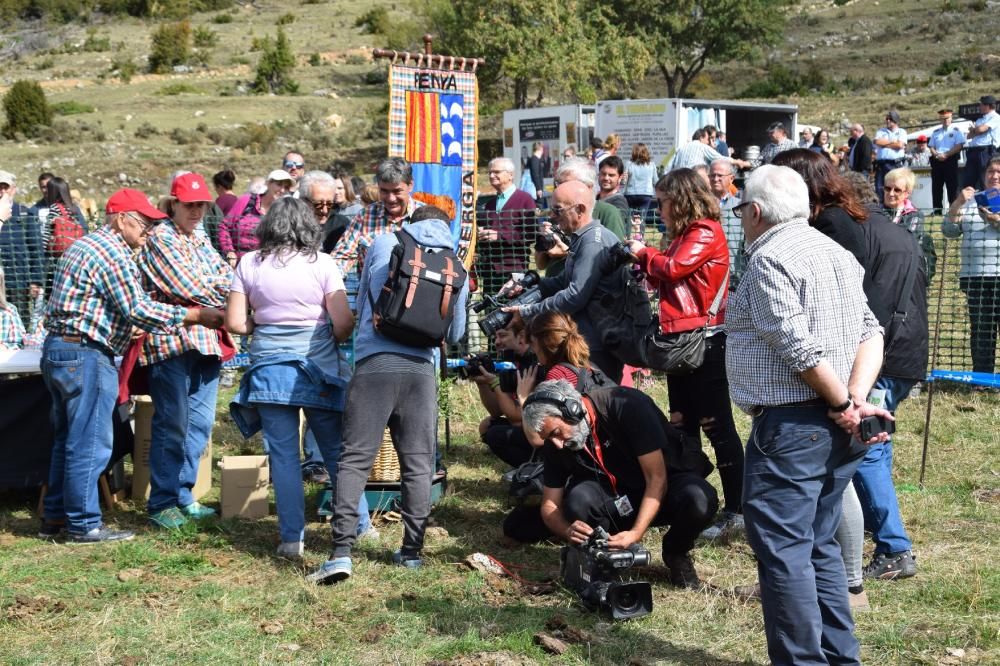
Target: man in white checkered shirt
(801,342)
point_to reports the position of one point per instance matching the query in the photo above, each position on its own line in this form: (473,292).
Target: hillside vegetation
(117,123)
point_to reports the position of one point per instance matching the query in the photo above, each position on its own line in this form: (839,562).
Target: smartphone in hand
(871,426)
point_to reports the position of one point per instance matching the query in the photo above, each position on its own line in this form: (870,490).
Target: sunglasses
(322,205)
(294,165)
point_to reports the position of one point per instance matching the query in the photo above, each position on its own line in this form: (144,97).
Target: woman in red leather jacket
(688,273)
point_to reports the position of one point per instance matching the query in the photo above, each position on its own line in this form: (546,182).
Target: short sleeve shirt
(287,289)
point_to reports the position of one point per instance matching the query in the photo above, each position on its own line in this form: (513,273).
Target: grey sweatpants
(851,536)
(408,404)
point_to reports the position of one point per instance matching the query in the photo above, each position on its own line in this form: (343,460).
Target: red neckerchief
(597,455)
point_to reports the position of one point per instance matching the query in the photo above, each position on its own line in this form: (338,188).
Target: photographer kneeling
(613,460)
(501,431)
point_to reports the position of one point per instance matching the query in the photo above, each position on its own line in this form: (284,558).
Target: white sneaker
(291,549)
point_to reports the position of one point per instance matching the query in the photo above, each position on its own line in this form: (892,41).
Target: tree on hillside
(26,109)
(170,45)
(685,35)
(539,47)
(275,66)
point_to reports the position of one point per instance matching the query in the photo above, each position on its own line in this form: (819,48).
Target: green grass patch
(71,108)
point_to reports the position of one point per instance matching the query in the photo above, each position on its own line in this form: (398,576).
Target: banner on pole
(433,124)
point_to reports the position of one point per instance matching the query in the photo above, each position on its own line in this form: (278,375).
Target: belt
(899,161)
(86,342)
(757,410)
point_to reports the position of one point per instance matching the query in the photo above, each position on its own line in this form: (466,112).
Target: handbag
(679,353)
(526,483)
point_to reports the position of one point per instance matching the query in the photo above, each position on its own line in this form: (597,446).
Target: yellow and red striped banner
(423,127)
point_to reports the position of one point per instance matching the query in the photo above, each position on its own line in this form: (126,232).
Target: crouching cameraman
(613,460)
(501,431)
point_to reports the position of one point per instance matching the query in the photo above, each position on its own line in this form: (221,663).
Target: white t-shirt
(288,290)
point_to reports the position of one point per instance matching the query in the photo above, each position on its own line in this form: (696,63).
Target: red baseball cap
(921,139)
(133,201)
(190,188)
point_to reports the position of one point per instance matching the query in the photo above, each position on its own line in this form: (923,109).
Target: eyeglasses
(738,210)
(895,190)
(557,211)
(720,175)
(322,205)
(147,225)
(294,165)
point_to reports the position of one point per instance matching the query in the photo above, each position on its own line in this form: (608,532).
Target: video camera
(497,318)
(594,572)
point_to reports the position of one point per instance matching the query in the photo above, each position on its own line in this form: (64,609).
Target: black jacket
(862,161)
(893,252)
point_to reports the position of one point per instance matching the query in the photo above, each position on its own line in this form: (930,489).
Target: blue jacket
(284,379)
(368,341)
(21,250)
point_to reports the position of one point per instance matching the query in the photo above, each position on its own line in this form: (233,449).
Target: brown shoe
(747,592)
(682,572)
(859,601)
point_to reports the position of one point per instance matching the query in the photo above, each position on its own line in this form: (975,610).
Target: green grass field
(218,594)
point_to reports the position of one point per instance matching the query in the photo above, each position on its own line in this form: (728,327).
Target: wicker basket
(386,467)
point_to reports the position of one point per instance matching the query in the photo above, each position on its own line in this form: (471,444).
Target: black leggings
(702,400)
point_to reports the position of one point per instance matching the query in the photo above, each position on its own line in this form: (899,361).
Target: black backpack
(588,379)
(417,301)
(623,316)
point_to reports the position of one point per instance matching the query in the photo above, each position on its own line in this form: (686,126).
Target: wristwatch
(843,407)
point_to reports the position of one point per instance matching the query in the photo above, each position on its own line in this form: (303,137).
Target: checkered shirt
(363,229)
(182,270)
(799,302)
(11,327)
(97,293)
(771,150)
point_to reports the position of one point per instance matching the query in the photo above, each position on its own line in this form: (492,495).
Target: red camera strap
(597,455)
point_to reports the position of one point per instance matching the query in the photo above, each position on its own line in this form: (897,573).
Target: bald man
(585,275)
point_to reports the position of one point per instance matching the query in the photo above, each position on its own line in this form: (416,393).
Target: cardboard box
(143,419)
(244,486)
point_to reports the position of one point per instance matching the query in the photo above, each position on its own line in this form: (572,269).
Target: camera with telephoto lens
(620,254)
(497,318)
(546,241)
(473,363)
(594,572)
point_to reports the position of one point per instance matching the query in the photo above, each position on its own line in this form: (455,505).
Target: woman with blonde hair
(692,275)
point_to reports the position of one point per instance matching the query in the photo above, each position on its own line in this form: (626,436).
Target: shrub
(375,21)
(205,37)
(146,130)
(286,19)
(95,44)
(26,109)
(255,138)
(124,68)
(171,45)
(275,67)
(45,63)
(71,108)
(172,89)
(315,60)
(222,18)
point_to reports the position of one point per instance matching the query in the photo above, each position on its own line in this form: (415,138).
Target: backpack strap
(581,373)
(449,274)
(417,265)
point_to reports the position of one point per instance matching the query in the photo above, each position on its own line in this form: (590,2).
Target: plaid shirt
(11,327)
(363,229)
(799,302)
(771,150)
(96,292)
(183,270)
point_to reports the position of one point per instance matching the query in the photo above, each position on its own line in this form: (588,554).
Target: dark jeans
(609,364)
(975,166)
(798,464)
(525,525)
(688,508)
(408,404)
(983,296)
(702,400)
(944,175)
(507,442)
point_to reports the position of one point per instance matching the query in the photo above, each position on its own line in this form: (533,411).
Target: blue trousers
(183,389)
(798,463)
(873,481)
(281,427)
(83,383)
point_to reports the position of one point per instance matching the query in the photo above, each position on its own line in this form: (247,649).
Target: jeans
(688,507)
(281,426)
(983,295)
(83,382)
(311,455)
(798,463)
(183,389)
(873,480)
(702,401)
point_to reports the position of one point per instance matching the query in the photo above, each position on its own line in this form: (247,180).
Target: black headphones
(572,410)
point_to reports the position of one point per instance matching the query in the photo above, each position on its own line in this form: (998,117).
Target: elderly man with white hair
(803,351)
(505,230)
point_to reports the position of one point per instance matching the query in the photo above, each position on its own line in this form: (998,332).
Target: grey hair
(576,168)
(312,178)
(780,193)
(725,161)
(288,228)
(501,164)
(535,413)
(394,170)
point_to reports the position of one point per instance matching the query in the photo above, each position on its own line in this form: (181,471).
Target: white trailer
(665,124)
(554,126)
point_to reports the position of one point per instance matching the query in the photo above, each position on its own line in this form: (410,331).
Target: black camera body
(497,318)
(594,572)
(546,241)
(620,254)
(473,363)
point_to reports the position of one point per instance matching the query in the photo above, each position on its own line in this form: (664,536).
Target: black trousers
(975,165)
(507,442)
(702,399)
(688,508)
(944,175)
(983,294)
